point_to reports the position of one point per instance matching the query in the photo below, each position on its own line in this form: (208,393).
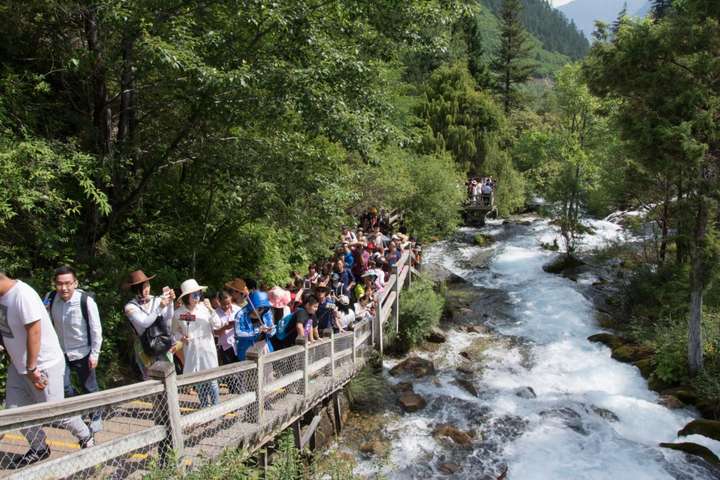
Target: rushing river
(584,416)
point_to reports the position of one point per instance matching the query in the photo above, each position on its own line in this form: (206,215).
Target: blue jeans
(209,393)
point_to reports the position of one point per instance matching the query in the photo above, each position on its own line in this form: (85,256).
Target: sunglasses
(196,295)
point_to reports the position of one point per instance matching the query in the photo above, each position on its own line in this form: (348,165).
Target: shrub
(420,310)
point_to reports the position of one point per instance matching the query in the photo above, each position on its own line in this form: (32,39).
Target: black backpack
(50,298)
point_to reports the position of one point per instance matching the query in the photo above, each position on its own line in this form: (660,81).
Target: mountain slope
(555,32)
(585,12)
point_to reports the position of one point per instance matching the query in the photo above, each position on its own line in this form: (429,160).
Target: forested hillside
(553,29)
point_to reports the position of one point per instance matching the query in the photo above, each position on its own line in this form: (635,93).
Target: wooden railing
(165,418)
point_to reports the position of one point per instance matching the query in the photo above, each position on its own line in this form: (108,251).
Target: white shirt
(142,316)
(227,339)
(200,352)
(21,306)
(71,328)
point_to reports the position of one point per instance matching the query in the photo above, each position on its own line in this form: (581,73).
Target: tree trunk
(664,223)
(697,287)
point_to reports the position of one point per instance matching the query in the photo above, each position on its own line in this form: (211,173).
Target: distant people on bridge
(75,316)
(37,365)
(145,312)
(193,326)
(226,333)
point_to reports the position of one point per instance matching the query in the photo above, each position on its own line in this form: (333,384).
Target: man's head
(65,282)
(6,282)
(311,304)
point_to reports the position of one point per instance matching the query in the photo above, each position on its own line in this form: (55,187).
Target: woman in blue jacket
(253,323)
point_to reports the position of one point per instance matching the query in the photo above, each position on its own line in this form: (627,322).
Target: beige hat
(190,286)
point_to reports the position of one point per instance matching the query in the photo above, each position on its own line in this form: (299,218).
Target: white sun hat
(190,286)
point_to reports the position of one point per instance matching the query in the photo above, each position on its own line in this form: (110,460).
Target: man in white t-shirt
(37,366)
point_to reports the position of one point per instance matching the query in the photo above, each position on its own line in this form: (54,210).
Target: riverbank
(516,389)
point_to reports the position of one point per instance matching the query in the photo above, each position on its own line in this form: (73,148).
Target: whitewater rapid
(592,417)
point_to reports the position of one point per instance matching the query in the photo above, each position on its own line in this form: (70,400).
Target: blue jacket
(247,333)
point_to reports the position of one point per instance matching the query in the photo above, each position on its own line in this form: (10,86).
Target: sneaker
(87,442)
(33,456)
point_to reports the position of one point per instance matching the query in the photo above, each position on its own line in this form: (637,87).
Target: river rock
(449,468)
(453,433)
(465,368)
(607,339)
(411,402)
(467,385)
(374,447)
(631,353)
(436,336)
(525,392)
(694,449)
(403,387)
(417,366)
(671,402)
(481,329)
(685,394)
(704,427)
(562,263)
(646,367)
(605,413)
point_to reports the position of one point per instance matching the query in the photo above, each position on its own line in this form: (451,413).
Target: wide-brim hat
(279,297)
(190,286)
(237,284)
(136,278)
(343,300)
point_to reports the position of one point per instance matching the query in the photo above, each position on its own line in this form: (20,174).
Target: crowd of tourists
(480,188)
(50,339)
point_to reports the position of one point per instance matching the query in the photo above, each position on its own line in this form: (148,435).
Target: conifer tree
(511,64)
(660,8)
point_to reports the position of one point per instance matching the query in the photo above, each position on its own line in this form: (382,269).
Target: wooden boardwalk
(163,419)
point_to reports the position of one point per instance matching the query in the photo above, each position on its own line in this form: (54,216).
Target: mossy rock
(686,394)
(646,366)
(694,449)
(608,339)
(482,240)
(702,426)
(631,353)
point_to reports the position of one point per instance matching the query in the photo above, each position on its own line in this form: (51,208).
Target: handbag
(156,339)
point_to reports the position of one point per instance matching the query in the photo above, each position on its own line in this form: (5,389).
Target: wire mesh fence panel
(343,356)
(219,411)
(283,380)
(125,442)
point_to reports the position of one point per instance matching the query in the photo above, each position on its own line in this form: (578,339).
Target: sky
(557,3)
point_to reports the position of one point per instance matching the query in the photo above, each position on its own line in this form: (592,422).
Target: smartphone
(306,285)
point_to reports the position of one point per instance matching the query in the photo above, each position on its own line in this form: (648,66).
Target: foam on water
(592,418)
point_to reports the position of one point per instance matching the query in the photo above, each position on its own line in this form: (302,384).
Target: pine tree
(660,8)
(621,18)
(511,64)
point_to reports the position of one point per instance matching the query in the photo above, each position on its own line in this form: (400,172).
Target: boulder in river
(671,402)
(436,335)
(562,263)
(702,426)
(525,392)
(605,413)
(411,402)
(449,468)
(455,434)
(374,447)
(646,367)
(685,394)
(467,385)
(608,339)
(694,449)
(631,353)
(417,366)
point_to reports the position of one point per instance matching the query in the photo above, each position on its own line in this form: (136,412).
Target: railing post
(332,355)
(379,327)
(168,413)
(354,349)
(306,361)
(396,306)
(257,357)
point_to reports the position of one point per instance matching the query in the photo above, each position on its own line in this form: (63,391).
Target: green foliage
(365,390)
(670,337)
(421,310)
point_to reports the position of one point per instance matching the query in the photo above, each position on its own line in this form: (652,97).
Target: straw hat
(190,286)
(279,297)
(237,284)
(137,277)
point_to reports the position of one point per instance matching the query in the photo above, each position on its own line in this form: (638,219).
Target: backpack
(284,326)
(50,298)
